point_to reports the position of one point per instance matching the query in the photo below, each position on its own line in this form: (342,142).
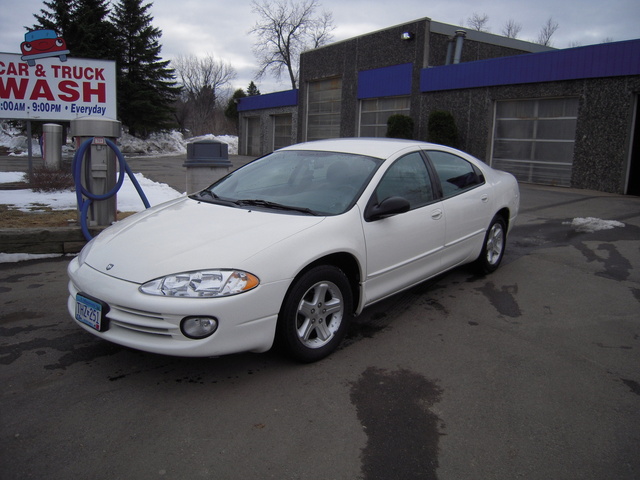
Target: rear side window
(455,173)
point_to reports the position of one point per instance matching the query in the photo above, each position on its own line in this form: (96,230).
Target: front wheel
(494,244)
(315,314)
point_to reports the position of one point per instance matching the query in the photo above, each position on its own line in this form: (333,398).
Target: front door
(404,249)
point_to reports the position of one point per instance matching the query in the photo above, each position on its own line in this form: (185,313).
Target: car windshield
(310,182)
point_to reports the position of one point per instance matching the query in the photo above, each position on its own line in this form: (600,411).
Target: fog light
(198,327)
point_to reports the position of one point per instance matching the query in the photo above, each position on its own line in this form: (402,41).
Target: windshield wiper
(204,193)
(210,197)
(274,205)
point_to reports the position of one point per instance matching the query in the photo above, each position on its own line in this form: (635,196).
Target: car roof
(373,147)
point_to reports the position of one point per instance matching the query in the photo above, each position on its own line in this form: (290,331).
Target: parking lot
(531,372)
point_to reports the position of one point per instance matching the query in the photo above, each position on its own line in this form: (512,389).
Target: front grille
(142,322)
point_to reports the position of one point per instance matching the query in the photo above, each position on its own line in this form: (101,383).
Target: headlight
(202,284)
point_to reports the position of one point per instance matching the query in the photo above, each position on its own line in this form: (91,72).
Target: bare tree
(547,31)
(203,80)
(285,29)
(511,29)
(478,22)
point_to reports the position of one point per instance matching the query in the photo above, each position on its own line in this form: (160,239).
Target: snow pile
(15,143)
(171,143)
(592,224)
(230,140)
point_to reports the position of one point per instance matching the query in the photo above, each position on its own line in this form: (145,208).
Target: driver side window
(408,178)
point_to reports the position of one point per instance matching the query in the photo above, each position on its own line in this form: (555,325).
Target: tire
(493,247)
(315,314)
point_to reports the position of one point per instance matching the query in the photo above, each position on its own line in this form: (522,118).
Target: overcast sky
(220,27)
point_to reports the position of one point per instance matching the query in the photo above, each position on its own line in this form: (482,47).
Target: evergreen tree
(91,31)
(57,18)
(231,112)
(252,90)
(83,24)
(146,86)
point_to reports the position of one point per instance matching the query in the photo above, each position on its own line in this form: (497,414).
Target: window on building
(534,139)
(323,109)
(253,136)
(374,113)
(282,129)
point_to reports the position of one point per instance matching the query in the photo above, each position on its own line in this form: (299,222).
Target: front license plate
(92,312)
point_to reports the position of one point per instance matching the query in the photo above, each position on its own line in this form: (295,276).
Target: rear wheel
(316,314)
(494,244)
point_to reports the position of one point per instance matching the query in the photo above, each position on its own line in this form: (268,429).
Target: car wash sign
(44,84)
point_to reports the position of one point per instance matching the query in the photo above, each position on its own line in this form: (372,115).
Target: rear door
(405,248)
(466,205)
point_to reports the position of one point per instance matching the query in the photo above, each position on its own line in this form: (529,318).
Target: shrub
(400,126)
(442,129)
(46,180)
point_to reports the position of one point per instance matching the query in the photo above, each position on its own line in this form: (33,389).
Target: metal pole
(29,150)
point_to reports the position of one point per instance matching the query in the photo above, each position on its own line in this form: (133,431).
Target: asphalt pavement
(532,372)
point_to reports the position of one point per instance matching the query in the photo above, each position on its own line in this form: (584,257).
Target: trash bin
(52,146)
(207,162)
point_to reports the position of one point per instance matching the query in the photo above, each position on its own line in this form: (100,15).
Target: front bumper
(247,322)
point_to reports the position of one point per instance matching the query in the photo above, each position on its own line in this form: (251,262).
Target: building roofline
(492,38)
(447,29)
(423,19)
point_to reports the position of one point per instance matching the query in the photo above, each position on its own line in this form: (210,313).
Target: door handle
(436,214)
(484,198)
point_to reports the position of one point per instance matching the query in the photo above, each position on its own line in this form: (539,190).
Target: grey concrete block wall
(603,135)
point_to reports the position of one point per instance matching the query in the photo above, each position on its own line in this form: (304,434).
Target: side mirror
(388,207)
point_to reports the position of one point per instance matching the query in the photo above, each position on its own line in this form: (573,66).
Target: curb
(60,240)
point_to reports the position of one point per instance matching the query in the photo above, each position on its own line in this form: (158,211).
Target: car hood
(186,235)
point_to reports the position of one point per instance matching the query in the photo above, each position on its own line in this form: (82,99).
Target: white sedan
(288,248)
